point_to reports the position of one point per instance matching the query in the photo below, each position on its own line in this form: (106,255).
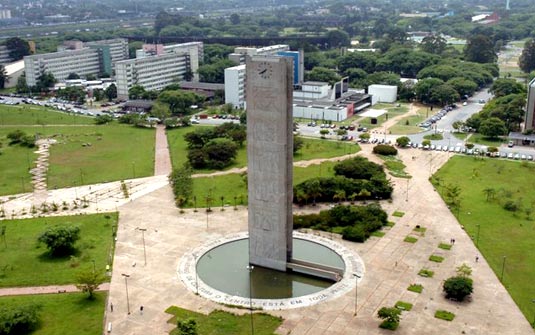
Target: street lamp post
(407,193)
(143,230)
(357,277)
(503,268)
(126,286)
(250,268)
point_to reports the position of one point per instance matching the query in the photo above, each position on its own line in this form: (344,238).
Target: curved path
(46,289)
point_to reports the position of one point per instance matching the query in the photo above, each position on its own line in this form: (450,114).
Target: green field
(501,232)
(312,149)
(234,185)
(38,115)
(409,124)
(483,140)
(224,323)
(67,313)
(95,154)
(392,111)
(24,262)
(15,163)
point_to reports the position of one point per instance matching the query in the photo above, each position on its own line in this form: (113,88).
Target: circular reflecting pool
(225,268)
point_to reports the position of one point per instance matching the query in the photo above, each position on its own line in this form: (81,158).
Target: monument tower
(270,160)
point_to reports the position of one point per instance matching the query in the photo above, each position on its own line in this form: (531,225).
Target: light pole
(503,268)
(357,277)
(407,193)
(143,230)
(126,286)
(477,239)
(250,268)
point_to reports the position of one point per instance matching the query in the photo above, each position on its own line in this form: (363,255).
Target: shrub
(415,288)
(444,246)
(444,315)
(426,273)
(510,205)
(404,306)
(19,320)
(458,288)
(355,234)
(60,240)
(383,149)
(103,119)
(410,239)
(435,258)
(391,317)
(403,141)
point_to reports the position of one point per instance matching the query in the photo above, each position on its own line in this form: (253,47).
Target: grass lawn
(38,115)
(483,140)
(65,313)
(129,150)
(395,166)
(409,124)
(434,137)
(220,322)
(392,111)
(502,233)
(234,185)
(460,136)
(15,163)
(312,149)
(418,288)
(24,258)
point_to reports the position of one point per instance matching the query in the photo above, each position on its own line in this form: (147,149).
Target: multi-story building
(92,58)
(195,50)
(83,62)
(529,123)
(4,55)
(235,86)
(239,54)
(5,14)
(153,72)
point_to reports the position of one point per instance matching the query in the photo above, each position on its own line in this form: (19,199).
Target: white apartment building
(152,72)
(235,86)
(239,54)
(4,55)
(82,62)
(118,48)
(91,58)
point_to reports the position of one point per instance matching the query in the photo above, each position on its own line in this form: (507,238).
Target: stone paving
(391,266)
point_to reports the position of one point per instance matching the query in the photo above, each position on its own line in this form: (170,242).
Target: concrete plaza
(391,266)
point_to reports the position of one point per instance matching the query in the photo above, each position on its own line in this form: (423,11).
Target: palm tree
(489,193)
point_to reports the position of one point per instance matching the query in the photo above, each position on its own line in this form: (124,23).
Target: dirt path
(162,157)
(46,289)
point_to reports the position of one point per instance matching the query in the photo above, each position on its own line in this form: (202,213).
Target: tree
(22,87)
(160,110)
(45,81)
(215,72)
(480,49)
(462,86)
(182,184)
(434,44)
(18,48)
(3,77)
(73,75)
(187,327)
(180,102)
(337,38)
(88,281)
(220,152)
(464,270)
(111,92)
(443,94)
(103,119)
(22,319)
(298,144)
(234,19)
(322,74)
(458,288)
(403,141)
(457,125)
(502,87)
(526,62)
(391,317)
(492,127)
(489,193)
(136,92)
(60,240)
(423,88)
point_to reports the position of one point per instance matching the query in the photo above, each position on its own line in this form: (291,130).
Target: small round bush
(383,149)
(458,287)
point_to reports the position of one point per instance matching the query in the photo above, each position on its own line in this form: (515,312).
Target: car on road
(465,103)
(511,144)
(510,155)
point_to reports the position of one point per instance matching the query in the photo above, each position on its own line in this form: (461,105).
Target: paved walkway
(162,157)
(391,266)
(45,289)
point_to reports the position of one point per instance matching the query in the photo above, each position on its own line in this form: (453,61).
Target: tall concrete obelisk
(270,160)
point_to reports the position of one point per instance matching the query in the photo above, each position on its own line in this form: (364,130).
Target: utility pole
(143,230)
(126,286)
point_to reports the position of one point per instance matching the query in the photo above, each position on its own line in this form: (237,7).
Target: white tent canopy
(373,112)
